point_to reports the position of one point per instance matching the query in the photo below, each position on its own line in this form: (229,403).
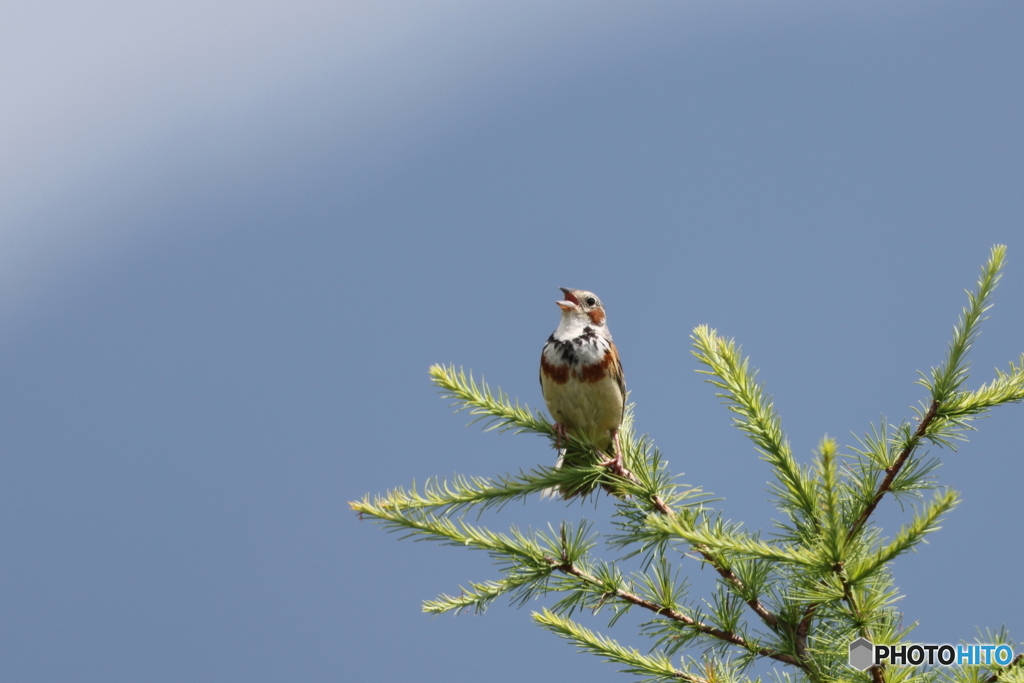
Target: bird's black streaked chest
(585,348)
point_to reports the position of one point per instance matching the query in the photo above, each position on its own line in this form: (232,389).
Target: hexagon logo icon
(862,654)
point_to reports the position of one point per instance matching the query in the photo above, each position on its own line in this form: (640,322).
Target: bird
(581,379)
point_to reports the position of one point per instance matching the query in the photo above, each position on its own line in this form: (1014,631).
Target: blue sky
(234,237)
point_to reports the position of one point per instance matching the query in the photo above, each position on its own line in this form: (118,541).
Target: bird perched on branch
(581,378)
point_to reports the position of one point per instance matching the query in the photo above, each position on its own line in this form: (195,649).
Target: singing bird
(581,376)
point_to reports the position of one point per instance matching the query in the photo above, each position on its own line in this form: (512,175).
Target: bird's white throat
(572,326)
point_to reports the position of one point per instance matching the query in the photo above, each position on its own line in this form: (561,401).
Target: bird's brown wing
(620,377)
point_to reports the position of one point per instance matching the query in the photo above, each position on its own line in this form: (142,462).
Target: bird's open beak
(570,303)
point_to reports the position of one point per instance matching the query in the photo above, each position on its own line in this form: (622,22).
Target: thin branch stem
(895,468)
(728,636)
(803,628)
(729,575)
(766,615)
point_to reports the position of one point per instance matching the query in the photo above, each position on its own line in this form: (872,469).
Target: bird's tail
(553,492)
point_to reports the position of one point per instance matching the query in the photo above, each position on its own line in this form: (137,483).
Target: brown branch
(766,615)
(728,636)
(660,506)
(730,576)
(617,467)
(803,628)
(894,469)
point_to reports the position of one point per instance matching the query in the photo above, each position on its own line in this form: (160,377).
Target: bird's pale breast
(582,387)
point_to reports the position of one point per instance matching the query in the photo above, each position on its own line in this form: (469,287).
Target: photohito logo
(865,654)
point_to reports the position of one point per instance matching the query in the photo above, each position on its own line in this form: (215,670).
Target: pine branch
(1007,387)
(756,416)
(492,407)
(924,522)
(830,490)
(480,595)
(531,560)
(894,469)
(461,492)
(945,381)
(731,540)
(526,556)
(669,524)
(675,615)
(655,668)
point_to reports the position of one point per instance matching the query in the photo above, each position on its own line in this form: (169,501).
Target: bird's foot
(616,467)
(561,434)
(615,464)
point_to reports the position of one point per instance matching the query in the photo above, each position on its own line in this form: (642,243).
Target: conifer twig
(894,469)
(729,575)
(645,665)
(728,636)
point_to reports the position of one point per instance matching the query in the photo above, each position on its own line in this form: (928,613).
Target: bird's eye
(591,301)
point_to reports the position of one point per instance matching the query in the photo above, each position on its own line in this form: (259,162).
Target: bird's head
(582,306)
